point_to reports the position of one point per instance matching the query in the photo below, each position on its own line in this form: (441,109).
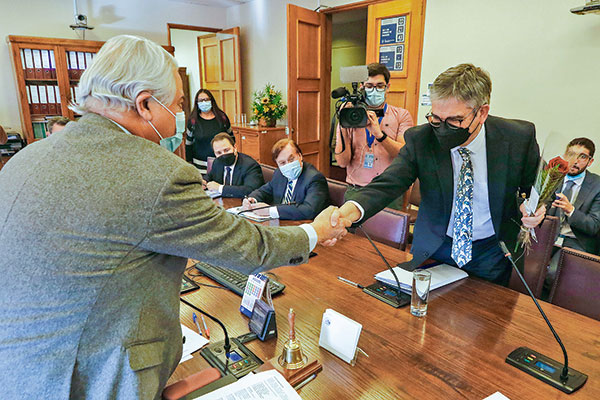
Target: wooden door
(395,38)
(220,69)
(309,76)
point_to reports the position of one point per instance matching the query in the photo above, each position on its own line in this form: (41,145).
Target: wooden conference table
(456,351)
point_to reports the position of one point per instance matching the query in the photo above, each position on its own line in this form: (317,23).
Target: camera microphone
(339,92)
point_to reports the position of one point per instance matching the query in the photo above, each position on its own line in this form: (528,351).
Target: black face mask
(227,159)
(450,138)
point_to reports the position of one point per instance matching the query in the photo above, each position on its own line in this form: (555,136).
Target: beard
(577,172)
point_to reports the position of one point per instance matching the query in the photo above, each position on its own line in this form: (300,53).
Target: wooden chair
(337,190)
(209,163)
(389,227)
(190,384)
(536,262)
(413,198)
(577,284)
(267,171)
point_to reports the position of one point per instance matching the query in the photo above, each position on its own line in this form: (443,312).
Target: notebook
(441,275)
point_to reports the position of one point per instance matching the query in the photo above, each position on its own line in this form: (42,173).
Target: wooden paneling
(210,55)
(308,104)
(257,142)
(228,61)
(229,101)
(308,51)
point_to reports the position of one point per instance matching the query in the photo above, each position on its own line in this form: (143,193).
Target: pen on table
(197,324)
(358,285)
(206,331)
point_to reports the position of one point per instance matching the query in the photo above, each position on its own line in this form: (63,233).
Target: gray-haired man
(471,166)
(95,242)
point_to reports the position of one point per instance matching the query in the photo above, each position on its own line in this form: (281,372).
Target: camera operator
(370,150)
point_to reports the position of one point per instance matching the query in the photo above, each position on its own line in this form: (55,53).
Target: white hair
(124,67)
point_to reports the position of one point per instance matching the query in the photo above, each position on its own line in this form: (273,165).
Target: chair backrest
(267,171)
(193,382)
(577,284)
(389,227)
(3,135)
(337,190)
(536,262)
(415,194)
(209,163)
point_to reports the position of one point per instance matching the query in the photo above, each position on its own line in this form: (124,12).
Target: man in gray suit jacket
(98,221)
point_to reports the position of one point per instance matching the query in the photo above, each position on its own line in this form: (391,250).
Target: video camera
(354,116)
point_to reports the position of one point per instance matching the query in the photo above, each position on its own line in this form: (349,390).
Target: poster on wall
(392,57)
(392,30)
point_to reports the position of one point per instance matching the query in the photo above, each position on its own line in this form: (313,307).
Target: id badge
(369,160)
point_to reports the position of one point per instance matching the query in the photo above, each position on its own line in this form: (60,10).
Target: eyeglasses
(452,122)
(380,87)
(581,156)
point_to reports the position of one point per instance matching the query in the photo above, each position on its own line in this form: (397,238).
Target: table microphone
(536,364)
(227,345)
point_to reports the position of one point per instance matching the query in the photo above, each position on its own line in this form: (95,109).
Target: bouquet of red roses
(548,179)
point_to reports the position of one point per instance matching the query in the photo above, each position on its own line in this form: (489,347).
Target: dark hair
(195,115)
(280,145)
(379,69)
(585,142)
(223,136)
(62,121)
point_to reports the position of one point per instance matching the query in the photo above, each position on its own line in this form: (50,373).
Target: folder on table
(441,275)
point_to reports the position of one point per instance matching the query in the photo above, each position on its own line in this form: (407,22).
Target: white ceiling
(214,3)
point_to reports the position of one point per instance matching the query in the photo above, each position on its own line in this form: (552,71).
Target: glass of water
(420,292)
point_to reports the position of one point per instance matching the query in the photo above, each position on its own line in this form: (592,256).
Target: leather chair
(536,262)
(389,227)
(337,190)
(414,199)
(209,163)
(577,284)
(267,171)
(190,384)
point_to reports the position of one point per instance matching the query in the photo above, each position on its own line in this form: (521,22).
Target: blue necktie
(227,176)
(462,234)
(288,193)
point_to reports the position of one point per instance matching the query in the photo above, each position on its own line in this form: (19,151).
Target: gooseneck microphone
(227,345)
(538,365)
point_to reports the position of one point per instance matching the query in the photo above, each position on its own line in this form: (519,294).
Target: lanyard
(371,138)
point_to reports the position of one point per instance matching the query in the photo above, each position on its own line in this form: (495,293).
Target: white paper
(532,202)
(248,214)
(213,194)
(193,342)
(267,385)
(441,275)
(497,396)
(339,335)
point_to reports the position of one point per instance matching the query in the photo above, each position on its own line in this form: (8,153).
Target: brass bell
(292,357)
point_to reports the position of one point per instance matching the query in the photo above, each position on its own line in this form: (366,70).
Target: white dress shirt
(273,213)
(232,166)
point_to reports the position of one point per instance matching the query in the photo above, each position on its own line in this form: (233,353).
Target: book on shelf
(29,69)
(37,64)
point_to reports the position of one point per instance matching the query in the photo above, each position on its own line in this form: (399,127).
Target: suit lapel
(497,167)
(299,182)
(443,163)
(584,191)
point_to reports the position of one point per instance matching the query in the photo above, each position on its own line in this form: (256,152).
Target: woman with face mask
(204,123)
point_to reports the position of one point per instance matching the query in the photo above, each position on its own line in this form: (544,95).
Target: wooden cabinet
(257,142)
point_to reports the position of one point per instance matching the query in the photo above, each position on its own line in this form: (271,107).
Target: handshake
(332,222)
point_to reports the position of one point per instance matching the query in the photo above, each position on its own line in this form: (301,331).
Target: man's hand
(263,209)
(373,124)
(535,220)
(203,184)
(247,203)
(328,232)
(214,186)
(563,203)
(348,211)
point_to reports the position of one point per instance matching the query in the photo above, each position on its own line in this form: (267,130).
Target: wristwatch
(381,139)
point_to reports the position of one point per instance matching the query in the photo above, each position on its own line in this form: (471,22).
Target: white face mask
(171,143)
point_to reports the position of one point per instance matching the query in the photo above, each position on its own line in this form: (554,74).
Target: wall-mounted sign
(392,57)
(392,30)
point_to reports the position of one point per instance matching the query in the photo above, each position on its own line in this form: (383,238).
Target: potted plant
(267,107)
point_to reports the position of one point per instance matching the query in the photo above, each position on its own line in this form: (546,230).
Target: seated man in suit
(233,174)
(577,205)
(470,166)
(295,181)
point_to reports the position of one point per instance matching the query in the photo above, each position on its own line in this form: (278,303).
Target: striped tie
(288,193)
(462,237)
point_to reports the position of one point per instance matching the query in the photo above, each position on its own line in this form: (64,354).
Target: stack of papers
(441,275)
(193,342)
(248,214)
(213,194)
(267,385)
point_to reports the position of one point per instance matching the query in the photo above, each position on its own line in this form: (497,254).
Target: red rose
(563,165)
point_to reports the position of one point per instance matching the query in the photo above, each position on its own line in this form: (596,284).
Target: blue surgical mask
(374,97)
(205,105)
(291,170)
(171,143)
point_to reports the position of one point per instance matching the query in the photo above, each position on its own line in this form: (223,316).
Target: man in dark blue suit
(233,174)
(297,191)
(471,167)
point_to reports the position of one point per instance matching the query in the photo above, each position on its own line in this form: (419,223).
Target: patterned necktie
(288,193)
(462,235)
(568,192)
(227,180)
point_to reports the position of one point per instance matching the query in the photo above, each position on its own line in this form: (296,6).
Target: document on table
(193,342)
(441,275)
(267,385)
(248,214)
(213,194)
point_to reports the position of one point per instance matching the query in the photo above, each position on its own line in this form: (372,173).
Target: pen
(206,331)
(358,285)
(197,324)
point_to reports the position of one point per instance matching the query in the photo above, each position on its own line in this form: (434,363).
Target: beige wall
(543,60)
(146,18)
